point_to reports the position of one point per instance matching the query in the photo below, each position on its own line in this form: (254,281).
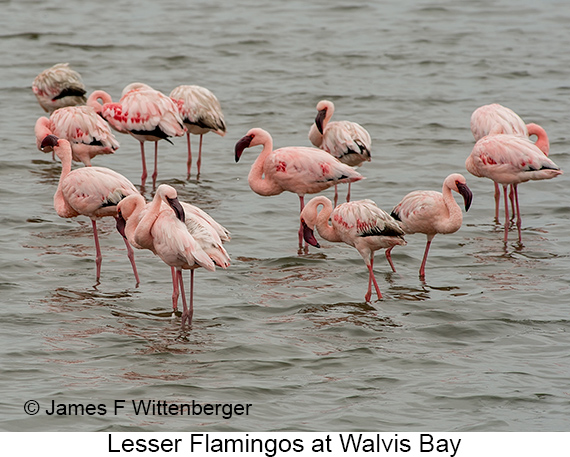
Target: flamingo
(431,212)
(348,141)
(182,235)
(202,113)
(88,133)
(59,86)
(143,112)
(300,170)
(494,119)
(360,224)
(90,191)
(510,160)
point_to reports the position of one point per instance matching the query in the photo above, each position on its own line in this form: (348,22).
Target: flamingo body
(360,224)
(431,212)
(57,87)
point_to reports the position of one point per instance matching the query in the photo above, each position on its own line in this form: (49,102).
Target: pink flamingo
(360,224)
(496,119)
(143,112)
(299,170)
(510,160)
(348,141)
(57,87)
(430,212)
(90,191)
(182,235)
(88,133)
(202,113)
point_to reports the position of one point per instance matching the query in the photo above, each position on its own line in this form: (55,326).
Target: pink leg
(175,291)
(155,172)
(191,312)
(506,213)
(189,160)
(199,161)
(131,256)
(497,201)
(302,204)
(348,193)
(98,256)
(518,211)
(512,199)
(389,258)
(423,265)
(184,304)
(144,173)
(335,195)
(372,280)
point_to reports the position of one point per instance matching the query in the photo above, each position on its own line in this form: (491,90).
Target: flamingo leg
(131,256)
(389,258)
(175,290)
(506,213)
(497,201)
(191,312)
(372,280)
(184,304)
(155,172)
(348,193)
(518,211)
(199,161)
(423,265)
(512,198)
(189,160)
(301,239)
(335,195)
(98,256)
(144,172)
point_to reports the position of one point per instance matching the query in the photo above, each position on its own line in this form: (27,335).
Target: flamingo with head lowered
(300,170)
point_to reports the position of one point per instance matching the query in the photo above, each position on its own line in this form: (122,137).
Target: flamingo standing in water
(496,119)
(431,212)
(143,112)
(88,133)
(59,86)
(182,235)
(90,191)
(202,113)
(510,160)
(300,170)
(360,224)
(348,141)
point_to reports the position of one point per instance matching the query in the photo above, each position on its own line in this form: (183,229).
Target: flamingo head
(464,191)
(50,141)
(323,108)
(309,235)
(243,144)
(169,195)
(121,224)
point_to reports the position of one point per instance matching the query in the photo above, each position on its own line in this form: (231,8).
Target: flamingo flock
(184,237)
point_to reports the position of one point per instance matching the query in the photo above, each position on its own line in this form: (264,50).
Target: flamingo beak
(465,193)
(309,235)
(320,119)
(49,141)
(177,208)
(242,144)
(121,224)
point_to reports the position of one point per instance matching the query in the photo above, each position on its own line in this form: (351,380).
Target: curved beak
(309,235)
(466,194)
(320,119)
(177,207)
(121,224)
(49,141)
(242,144)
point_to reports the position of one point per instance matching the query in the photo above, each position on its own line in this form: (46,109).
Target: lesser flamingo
(360,224)
(59,86)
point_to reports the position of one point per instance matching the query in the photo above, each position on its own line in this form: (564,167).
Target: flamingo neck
(455,215)
(320,219)
(541,142)
(143,230)
(258,180)
(62,208)
(94,98)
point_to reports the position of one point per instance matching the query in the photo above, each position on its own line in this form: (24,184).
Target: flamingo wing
(347,141)
(496,119)
(200,107)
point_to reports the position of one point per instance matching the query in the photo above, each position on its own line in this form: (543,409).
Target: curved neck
(142,232)
(97,95)
(541,142)
(259,183)
(455,215)
(62,208)
(320,219)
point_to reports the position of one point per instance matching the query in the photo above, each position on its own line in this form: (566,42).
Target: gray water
(480,345)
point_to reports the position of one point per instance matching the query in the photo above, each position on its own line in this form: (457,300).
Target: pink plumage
(360,224)
(90,191)
(57,87)
(300,170)
(431,212)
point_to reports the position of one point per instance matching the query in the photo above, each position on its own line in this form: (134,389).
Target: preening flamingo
(88,133)
(496,119)
(348,141)
(59,86)
(360,224)
(510,160)
(90,191)
(202,113)
(143,112)
(431,212)
(182,235)
(300,170)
